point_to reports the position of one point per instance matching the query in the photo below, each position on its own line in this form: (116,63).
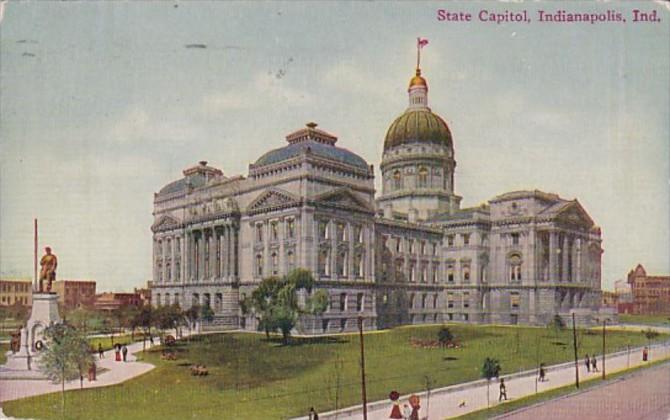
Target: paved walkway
(446,402)
(117,372)
(642,395)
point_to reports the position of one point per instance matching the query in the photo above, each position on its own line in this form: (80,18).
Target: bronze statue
(49,262)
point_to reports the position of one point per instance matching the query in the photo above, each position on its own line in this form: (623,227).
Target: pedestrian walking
(503,390)
(414,404)
(594,363)
(117,352)
(313,415)
(406,412)
(542,373)
(101,352)
(395,410)
(125,352)
(92,372)
(645,354)
(587,360)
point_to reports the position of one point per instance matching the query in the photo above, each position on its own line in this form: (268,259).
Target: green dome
(418,126)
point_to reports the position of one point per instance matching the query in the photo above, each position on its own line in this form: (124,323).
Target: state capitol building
(410,255)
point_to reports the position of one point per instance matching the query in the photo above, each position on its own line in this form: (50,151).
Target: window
(259,265)
(466,272)
(358,265)
(423,247)
(423,177)
(398,245)
(450,240)
(450,273)
(360,298)
(515,267)
(514,300)
(450,300)
(341,232)
(323,230)
(466,239)
(466,299)
(434,250)
(434,274)
(435,297)
(412,272)
(423,300)
(342,264)
(158,299)
(343,302)
(397,180)
(411,246)
(324,325)
(358,234)
(275,263)
(424,274)
(324,263)
(411,301)
(515,239)
(450,317)
(466,317)
(343,324)
(177,301)
(485,239)
(259,232)
(290,256)
(290,228)
(274,231)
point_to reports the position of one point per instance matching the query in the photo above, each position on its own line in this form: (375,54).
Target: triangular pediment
(165,223)
(273,198)
(344,198)
(574,214)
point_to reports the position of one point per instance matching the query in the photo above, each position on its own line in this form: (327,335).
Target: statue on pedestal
(49,262)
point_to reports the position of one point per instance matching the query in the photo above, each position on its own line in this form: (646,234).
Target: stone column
(201,255)
(552,256)
(404,247)
(266,250)
(578,265)
(173,259)
(283,266)
(350,256)
(164,254)
(565,253)
(222,252)
(234,251)
(332,231)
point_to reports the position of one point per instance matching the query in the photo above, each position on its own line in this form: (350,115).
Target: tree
(166,317)
(206,314)
(192,316)
(490,370)
(276,305)
(445,337)
(556,324)
(66,355)
(144,320)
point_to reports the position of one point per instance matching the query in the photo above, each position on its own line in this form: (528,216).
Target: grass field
(4,348)
(656,320)
(250,377)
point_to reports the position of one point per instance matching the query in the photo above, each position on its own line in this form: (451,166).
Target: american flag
(422,42)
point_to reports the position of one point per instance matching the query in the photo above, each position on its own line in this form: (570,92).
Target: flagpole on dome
(420,43)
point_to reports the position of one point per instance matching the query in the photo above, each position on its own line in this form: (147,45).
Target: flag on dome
(422,42)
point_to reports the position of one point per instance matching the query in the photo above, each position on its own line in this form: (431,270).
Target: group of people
(120,352)
(410,410)
(591,363)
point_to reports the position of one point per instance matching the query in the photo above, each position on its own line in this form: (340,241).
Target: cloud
(263,91)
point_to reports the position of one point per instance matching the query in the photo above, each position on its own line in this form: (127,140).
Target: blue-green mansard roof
(316,142)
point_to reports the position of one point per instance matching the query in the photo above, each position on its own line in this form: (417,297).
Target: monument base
(43,314)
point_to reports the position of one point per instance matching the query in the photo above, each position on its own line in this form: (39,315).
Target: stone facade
(410,256)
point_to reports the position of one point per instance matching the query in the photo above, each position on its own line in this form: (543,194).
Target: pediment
(343,198)
(273,198)
(574,214)
(165,223)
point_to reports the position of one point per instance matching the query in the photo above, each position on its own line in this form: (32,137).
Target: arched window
(275,263)
(397,180)
(423,178)
(342,264)
(515,263)
(291,260)
(358,265)
(259,265)
(324,263)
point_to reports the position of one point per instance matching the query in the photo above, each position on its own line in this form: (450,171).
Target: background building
(110,301)
(410,256)
(651,294)
(16,292)
(74,294)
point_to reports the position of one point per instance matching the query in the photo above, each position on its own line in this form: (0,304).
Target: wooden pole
(604,323)
(574,341)
(35,285)
(365,398)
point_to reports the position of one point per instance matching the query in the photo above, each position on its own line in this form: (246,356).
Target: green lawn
(657,320)
(254,378)
(4,348)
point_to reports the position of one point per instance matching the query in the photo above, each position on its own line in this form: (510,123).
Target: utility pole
(365,398)
(574,341)
(604,323)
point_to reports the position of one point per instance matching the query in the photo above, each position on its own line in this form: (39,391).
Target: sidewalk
(444,402)
(117,372)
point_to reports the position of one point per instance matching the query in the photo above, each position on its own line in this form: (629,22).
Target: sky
(102,103)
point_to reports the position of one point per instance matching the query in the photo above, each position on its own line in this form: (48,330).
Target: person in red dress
(395,411)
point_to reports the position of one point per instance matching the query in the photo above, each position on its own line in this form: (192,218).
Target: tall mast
(35,286)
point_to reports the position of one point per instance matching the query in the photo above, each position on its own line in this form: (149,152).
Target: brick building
(651,294)
(110,301)
(74,294)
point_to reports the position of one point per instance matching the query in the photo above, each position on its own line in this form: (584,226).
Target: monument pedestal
(43,314)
